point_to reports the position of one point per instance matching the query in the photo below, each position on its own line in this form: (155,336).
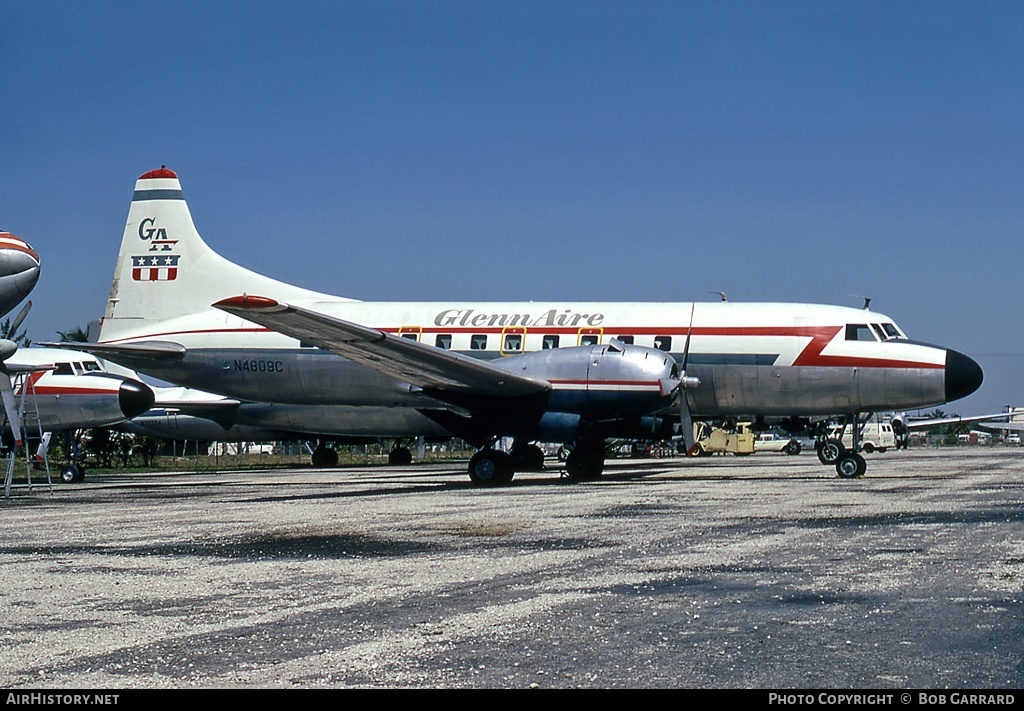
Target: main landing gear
(325,457)
(849,463)
(493,467)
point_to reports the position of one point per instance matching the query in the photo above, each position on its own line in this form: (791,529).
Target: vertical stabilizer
(164,268)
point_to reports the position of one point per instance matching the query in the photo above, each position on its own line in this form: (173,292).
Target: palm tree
(5,332)
(74,335)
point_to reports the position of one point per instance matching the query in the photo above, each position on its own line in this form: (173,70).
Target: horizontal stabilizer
(147,350)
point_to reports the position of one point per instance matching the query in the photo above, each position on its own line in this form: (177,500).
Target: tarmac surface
(761,572)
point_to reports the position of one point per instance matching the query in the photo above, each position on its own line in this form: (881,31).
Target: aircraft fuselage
(751,359)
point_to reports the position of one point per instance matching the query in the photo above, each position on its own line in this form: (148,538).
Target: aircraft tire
(400,457)
(851,465)
(491,467)
(528,458)
(324,458)
(585,465)
(71,474)
(831,451)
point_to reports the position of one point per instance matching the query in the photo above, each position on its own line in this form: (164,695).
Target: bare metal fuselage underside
(314,377)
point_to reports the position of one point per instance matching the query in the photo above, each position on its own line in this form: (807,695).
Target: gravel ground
(721,572)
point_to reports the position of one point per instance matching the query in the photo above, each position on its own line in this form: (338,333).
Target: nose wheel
(851,465)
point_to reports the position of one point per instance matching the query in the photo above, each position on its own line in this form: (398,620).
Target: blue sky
(651,151)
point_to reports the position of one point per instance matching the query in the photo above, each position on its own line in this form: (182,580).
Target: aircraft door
(589,336)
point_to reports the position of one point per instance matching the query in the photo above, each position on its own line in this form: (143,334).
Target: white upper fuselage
(773,334)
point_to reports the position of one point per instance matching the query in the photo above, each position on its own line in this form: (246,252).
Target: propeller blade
(10,409)
(686,344)
(685,419)
(16,324)
(686,422)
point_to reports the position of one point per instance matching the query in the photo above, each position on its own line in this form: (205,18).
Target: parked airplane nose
(963,375)
(135,398)
(19,270)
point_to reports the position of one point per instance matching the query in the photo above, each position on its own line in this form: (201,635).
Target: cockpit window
(878,331)
(891,331)
(63,369)
(859,332)
(92,367)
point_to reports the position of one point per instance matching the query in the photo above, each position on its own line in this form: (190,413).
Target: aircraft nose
(963,375)
(134,398)
(17,256)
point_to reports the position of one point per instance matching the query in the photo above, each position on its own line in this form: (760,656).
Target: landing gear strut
(850,463)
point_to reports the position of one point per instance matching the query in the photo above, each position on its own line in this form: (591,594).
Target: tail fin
(166,271)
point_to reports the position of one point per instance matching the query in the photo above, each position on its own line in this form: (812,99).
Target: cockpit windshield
(891,331)
(872,332)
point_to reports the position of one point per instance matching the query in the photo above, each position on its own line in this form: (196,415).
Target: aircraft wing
(189,401)
(1008,426)
(16,368)
(955,420)
(149,350)
(419,364)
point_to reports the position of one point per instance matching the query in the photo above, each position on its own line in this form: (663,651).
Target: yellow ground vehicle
(710,440)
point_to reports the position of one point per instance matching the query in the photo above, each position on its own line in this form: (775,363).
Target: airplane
(570,373)
(19,271)
(1015,423)
(56,391)
(64,392)
(182,413)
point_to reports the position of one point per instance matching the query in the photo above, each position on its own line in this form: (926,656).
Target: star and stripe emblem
(155,268)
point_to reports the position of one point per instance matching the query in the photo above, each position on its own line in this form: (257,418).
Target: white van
(875,436)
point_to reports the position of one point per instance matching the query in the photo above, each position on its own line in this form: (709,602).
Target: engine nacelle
(612,380)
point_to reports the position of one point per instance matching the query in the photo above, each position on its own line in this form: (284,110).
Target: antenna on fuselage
(721,294)
(867,300)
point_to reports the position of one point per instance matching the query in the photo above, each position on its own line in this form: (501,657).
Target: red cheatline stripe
(812,355)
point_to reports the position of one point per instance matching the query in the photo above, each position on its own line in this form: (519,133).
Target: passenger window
(443,340)
(859,332)
(628,340)
(549,342)
(663,342)
(478,342)
(513,343)
(411,336)
(589,339)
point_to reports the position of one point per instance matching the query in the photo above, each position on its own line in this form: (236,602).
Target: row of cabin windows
(513,342)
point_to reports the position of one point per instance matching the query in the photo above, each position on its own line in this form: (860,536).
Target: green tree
(20,338)
(74,335)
